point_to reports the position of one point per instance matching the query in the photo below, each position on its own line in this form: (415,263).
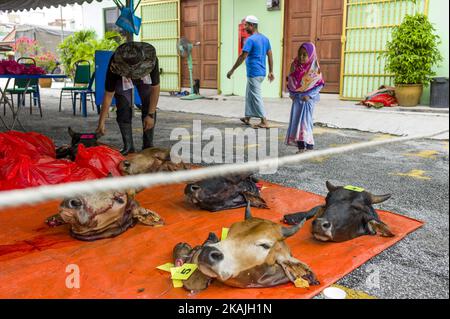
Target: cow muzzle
(322,229)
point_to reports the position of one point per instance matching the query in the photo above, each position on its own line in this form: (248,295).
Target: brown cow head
(150,160)
(254,255)
(346,215)
(104,215)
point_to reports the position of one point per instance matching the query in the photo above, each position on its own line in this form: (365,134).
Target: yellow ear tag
(354,188)
(301,283)
(184,272)
(225,233)
(166,267)
(177,283)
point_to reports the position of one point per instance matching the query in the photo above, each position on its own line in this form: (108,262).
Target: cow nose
(216,256)
(195,188)
(322,223)
(74,203)
(326,225)
(211,255)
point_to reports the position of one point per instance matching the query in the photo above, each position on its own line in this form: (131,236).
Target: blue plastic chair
(84,94)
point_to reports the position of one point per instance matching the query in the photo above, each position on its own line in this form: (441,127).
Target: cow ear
(287,232)
(147,217)
(71,132)
(133,192)
(377,199)
(331,187)
(255,200)
(295,269)
(376,226)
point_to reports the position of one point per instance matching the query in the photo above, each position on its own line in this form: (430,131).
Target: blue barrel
(439,92)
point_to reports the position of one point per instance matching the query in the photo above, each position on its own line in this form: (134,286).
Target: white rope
(45,193)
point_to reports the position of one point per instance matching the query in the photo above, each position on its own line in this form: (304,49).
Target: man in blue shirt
(255,50)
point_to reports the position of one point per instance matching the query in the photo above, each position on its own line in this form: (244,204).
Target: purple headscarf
(306,76)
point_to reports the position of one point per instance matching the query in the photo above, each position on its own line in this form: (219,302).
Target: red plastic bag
(32,144)
(22,172)
(101,159)
(79,174)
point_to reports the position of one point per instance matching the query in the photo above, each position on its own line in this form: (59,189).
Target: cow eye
(265,246)
(119,200)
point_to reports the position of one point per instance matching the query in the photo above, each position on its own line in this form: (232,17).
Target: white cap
(252,19)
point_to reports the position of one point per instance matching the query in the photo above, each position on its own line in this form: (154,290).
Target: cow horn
(290,231)
(376,199)
(71,132)
(331,187)
(248,212)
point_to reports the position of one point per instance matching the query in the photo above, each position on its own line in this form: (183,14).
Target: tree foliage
(413,51)
(82,46)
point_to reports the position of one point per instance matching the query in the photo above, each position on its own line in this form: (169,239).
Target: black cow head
(87,139)
(223,193)
(347,214)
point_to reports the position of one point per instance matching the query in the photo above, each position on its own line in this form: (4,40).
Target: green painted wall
(438,14)
(271,25)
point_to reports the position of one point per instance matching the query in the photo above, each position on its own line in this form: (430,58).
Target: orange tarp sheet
(34,257)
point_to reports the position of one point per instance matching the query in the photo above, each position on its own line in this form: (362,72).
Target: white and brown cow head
(254,255)
(104,215)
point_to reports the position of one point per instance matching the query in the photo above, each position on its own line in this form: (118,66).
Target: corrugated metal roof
(7,5)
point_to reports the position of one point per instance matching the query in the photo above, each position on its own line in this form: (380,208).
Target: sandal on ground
(257,126)
(245,121)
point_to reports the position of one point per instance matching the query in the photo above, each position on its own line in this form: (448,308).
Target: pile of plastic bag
(13,67)
(29,160)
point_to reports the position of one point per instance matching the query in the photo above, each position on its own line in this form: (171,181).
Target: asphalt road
(416,172)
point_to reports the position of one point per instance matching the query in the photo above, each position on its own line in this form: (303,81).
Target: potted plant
(411,55)
(47,61)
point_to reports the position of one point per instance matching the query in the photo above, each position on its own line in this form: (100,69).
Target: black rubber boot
(147,138)
(127,137)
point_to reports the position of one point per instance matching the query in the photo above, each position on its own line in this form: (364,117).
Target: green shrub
(413,51)
(82,46)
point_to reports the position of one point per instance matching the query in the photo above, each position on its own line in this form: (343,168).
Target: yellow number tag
(225,233)
(354,188)
(177,283)
(183,272)
(166,267)
(301,283)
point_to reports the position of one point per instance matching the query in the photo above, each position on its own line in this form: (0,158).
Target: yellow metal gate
(161,28)
(367,28)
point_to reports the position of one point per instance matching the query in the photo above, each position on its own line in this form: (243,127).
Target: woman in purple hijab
(304,83)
